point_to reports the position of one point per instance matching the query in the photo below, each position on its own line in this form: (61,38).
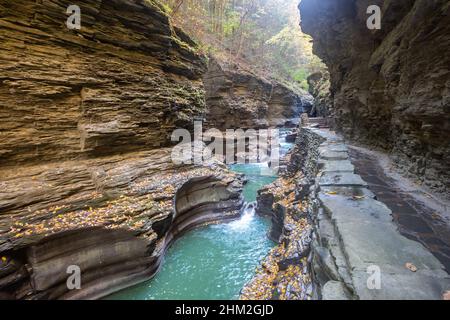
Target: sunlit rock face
(237,98)
(122,82)
(85,177)
(390,87)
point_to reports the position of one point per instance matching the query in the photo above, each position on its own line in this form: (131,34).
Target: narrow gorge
(337,173)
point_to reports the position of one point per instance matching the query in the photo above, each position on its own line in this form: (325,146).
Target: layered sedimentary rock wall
(113,217)
(121,83)
(319,88)
(84,115)
(239,99)
(390,87)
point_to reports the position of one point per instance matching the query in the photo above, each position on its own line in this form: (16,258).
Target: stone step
(336,166)
(341,179)
(355,236)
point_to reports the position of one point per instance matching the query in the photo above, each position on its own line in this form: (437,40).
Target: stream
(214,261)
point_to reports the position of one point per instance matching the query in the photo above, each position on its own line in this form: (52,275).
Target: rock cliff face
(319,88)
(239,99)
(122,83)
(85,179)
(390,87)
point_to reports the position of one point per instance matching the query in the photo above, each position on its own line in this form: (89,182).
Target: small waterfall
(247,214)
(249,208)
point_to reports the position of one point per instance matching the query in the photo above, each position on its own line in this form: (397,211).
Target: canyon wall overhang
(390,87)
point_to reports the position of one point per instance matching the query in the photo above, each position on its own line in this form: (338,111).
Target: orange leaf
(411,267)
(446,295)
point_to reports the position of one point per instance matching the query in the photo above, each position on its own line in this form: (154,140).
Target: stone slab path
(356,235)
(414,218)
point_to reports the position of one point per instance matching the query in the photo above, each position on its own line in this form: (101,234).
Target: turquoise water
(216,261)
(258,175)
(212,262)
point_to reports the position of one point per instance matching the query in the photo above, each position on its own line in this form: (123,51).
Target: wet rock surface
(415,220)
(284,274)
(354,232)
(389,87)
(132,215)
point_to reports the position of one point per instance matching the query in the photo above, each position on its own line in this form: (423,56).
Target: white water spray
(248,212)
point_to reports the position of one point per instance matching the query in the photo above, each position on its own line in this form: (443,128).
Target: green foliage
(299,75)
(281,38)
(206,49)
(263,35)
(231,24)
(304,85)
(164,8)
(167,9)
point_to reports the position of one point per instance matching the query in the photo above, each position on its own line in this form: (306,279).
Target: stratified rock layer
(319,88)
(85,181)
(390,87)
(239,99)
(122,83)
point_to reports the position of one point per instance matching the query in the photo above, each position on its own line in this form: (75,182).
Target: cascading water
(215,261)
(248,213)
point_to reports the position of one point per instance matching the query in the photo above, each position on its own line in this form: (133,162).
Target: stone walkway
(415,219)
(356,238)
